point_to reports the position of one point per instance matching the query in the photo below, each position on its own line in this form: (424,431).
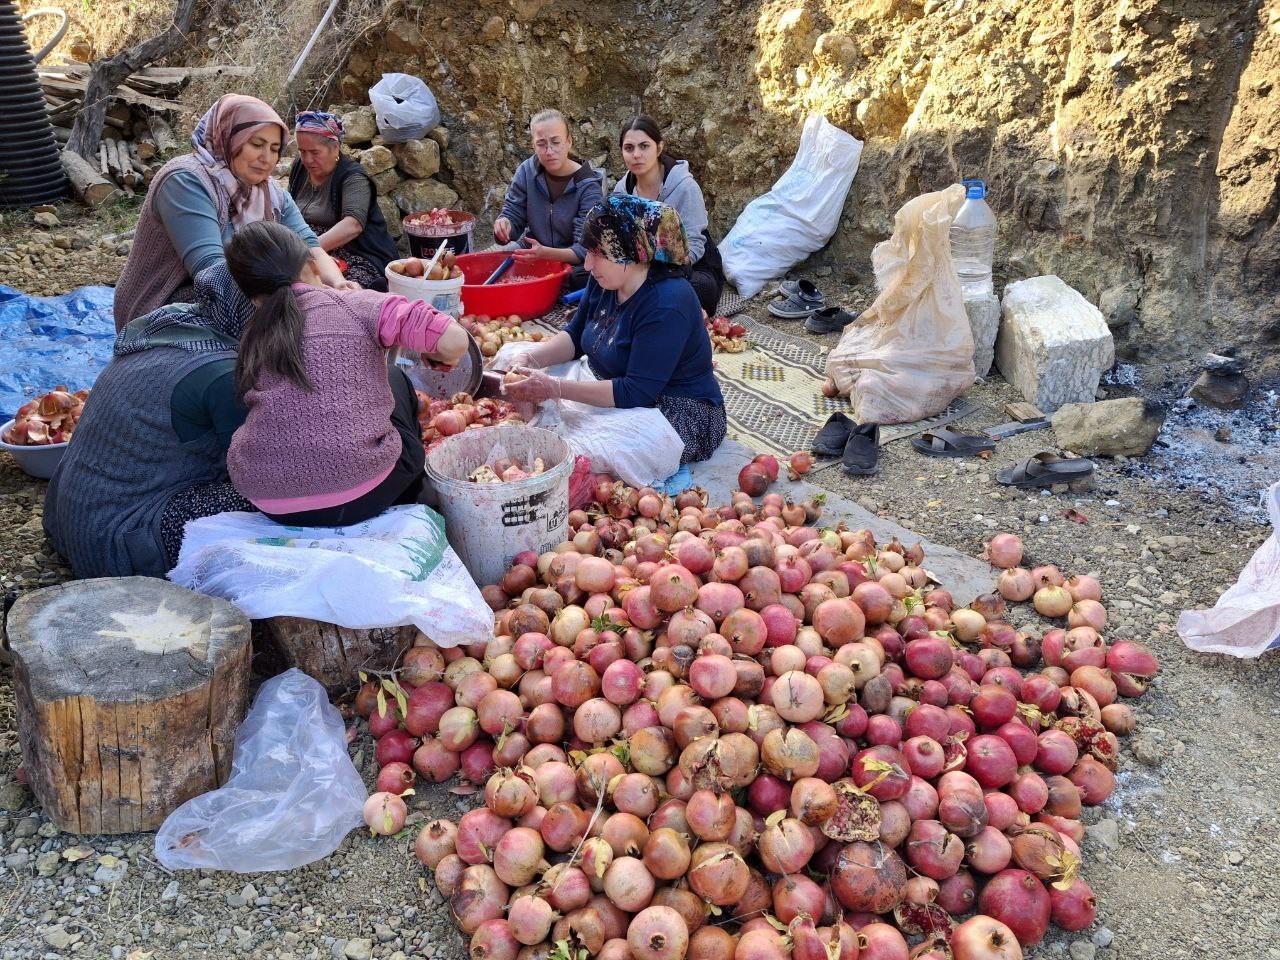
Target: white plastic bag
(1245,622)
(911,352)
(293,793)
(798,216)
(393,570)
(403,107)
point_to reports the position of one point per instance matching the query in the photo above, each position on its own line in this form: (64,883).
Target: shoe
(943,442)
(796,300)
(862,449)
(1044,470)
(834,435)
(828,320)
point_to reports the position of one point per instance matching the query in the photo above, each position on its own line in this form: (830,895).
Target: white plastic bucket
(489,523)
(444,295)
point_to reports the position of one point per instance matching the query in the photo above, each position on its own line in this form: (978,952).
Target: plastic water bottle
(973,241)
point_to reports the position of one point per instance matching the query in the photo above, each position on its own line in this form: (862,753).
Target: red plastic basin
(534,294)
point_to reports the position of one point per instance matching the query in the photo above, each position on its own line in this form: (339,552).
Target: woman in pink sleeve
(331,437)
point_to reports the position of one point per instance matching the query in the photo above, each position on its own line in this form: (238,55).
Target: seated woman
(549,197)
(149,452)
(331,436)
(653,173)
(641,340)
(338,201)
(197,201)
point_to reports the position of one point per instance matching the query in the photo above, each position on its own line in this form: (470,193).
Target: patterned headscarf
(321,124)
(224,129)
(212,324)
(629,229)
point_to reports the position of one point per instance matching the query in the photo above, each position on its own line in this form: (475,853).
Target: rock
(403,36)
(526,10)
(1102,937)
(1222,434)
(111,872)
(58,937)
(383,932)
(416,195)
(1146,750)
(14,796)
(984,320)
(1108,428)
(1225,393)
(386,181)
(47,220)
(360,125)
(1222,366)
(1105,833)
(836,49)
(1053,344)
(358,949)
(1119,305)
(391,213)
(441,136)
(376,159)
(493,28)
(170,892)
(1082,950)
(48,862)
(418,159)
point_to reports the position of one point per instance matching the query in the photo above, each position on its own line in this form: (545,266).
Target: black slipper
(942,442)
(828,320)
(862,450)
(834,435)
(1044,470)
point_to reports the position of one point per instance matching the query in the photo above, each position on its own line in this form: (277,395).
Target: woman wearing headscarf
(150,450)
(338,201)
(638,334)
(198,200)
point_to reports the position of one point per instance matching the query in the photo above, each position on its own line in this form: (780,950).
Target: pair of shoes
(857,444)
(796,300)
(828,320)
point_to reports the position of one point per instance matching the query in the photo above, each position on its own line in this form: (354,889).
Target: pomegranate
(1073,907)
(384,813)
(1019,901)
(984,938)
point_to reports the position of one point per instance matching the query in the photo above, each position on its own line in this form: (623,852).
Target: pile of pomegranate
(493,332)
(726,335)
(443,418)
(725,732)
(435,217)
(49,418)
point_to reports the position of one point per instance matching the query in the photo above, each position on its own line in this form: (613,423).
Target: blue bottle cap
(975,189)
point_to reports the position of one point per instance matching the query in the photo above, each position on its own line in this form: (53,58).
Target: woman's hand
(502,230)
(532,251)
(536,386)
(347,285)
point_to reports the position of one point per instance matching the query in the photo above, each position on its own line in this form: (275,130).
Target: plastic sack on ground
(393,570)
(403,107)
(911,353)
(798,216)
(1245,622)
(293,793)
(52,340)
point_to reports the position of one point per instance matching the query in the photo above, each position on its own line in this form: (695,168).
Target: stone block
(1053,344)
(386,181)
(441,136)
(984,321)
(391,213)
(1126,427)
(360,125)
(416,195)
(1223,392)
(376,159)
(418,159)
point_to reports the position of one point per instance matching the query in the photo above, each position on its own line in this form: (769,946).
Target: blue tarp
(45,341)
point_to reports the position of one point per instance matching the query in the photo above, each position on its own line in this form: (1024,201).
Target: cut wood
(85,182)
(187,73)
(162,134)
(129,693)
(335,655)
(69,87)
(103,168)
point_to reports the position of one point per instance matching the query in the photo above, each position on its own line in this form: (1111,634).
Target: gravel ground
(1182,857)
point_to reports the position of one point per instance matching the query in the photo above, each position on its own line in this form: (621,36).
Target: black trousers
(402,485)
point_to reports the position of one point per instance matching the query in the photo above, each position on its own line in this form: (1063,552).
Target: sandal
(797,300)
(862,449)
(943,442)
(1044,470)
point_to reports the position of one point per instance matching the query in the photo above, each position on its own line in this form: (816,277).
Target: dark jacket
(528,204)
(374,242)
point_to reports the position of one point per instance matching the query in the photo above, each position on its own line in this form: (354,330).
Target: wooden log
(162,134)
(127,176)
(77,89)
(335,655)
(85,182)
(104,168)
(129,692)
(113,161)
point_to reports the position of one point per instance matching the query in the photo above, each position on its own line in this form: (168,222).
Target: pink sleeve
(413,324)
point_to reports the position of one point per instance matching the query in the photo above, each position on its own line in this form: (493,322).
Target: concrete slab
(964,576)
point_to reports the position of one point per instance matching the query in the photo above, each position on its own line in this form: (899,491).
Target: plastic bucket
(424,239)
(444,295)
(489,523)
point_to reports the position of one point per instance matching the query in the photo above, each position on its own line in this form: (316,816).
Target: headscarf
(629,229)
(321,124)
(213,323)
(224,129)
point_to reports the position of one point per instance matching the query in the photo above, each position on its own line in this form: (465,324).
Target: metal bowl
(465,376)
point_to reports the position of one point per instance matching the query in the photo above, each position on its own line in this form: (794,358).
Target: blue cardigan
(653,345)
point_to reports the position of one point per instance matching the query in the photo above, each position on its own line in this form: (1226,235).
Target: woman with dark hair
(655,174)
(198,200)
(638,334)
(339,202)
(331,436)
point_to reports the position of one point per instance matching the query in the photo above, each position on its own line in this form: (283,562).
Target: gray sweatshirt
(681,191)
(528,204)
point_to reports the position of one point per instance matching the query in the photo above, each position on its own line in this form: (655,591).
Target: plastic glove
(536,386)
(523,359)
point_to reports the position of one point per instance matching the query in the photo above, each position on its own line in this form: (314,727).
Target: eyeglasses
(543,146)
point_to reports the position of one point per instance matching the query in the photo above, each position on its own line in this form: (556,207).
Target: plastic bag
(403,107)
(1245,622)
(293,793)
(390,571)
(798,216)
(911,353)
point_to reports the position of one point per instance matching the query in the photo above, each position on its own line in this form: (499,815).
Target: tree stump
(129,694)
(335,655)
